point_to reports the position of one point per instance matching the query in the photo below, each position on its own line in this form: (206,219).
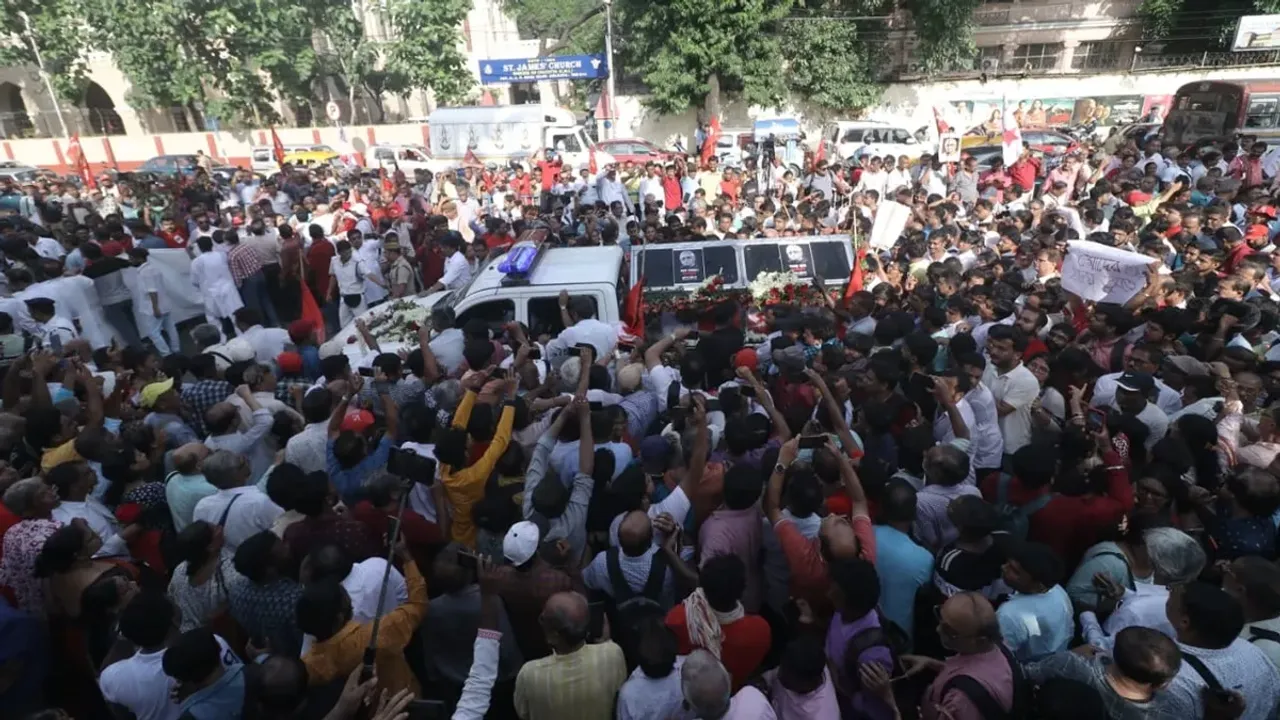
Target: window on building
(1104,55)
(988,58)
(1040,56)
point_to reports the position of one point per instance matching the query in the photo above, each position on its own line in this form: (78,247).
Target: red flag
(943,126)
(713,137)
(821,154)
(387,185)
(81,163)
(111,153)
(311,312)
(277,147)
(471,160)
(633,310)
(855,276)
(592,167)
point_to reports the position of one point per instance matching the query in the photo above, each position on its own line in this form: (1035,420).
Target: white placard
(1103,274)
(891,218)
(949,148)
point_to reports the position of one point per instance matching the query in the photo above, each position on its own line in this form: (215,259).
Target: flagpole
(44,75)
(608,51)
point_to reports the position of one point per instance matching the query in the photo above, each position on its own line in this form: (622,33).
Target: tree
(59,31)
(944,31)
(425,54)
(816,47)
(571,26)
(690,51)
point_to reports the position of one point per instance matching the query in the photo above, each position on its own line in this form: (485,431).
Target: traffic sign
(554,67)
(333,111)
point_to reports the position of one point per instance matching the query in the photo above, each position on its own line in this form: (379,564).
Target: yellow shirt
(582,685)
(338,656)
(465,487)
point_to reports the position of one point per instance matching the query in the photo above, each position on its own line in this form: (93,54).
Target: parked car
(18,173)
(635,150)
(174,165)
(860,138)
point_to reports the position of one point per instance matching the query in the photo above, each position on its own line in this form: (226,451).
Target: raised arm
(339,411)
(834,411)
(852,485)
(430,368)
(369,340)
(773,496)
(701,446)
(586,447)
(945,396)
(653,356)
(780,427)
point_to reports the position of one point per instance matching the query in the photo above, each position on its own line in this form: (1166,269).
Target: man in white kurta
(211,277)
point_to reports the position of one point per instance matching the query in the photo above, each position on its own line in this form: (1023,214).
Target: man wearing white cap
(526,584)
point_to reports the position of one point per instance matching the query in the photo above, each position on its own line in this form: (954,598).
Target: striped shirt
(581,685)
(244,262)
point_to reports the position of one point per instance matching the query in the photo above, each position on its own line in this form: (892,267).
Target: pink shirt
(820,704)
(736,532)
(750,704)
(990,669)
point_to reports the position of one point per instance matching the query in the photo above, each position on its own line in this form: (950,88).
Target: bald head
(187,458)
(706,685)
(629,378)
(969,621)
(635,533)
(567,618)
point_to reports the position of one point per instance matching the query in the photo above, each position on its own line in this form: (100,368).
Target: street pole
(608,51)
(48,85)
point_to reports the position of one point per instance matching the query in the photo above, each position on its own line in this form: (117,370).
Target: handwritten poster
(891,218)
(1103,274)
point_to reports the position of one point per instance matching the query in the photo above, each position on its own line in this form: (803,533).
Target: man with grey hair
(706,686)
(32,497)
(208,340)
(579,679)
(254,512)
(227,431)
(1176,559)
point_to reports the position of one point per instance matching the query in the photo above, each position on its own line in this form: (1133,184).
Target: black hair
(723,580)
(147,619)
(742,486)
(898,502)
(329,562)
(253,556)
(656,648)
(319,607)
(311,494)
(1039,561)
(59,551)
(1146,656)
(193,656)
(1216,617)
(192,545)
(859,583)
(317,405)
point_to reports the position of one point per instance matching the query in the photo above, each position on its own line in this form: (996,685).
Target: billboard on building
(1257,32)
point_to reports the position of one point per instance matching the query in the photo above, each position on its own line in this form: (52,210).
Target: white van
(859,138)
(406,158)
(503,133)
(495,298)
(263,157)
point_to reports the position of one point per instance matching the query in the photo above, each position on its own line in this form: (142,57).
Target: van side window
(544,315)
(494,313)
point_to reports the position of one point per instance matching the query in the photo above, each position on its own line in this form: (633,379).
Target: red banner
(81,163)
(277,146)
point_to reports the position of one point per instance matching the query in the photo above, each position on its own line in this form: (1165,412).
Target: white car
(858,139)
(406,158)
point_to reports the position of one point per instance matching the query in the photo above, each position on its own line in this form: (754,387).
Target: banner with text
(1103,274)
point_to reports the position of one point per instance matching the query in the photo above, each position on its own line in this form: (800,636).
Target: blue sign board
(554,67)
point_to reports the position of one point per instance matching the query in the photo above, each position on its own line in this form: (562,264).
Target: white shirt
(151,280)
(350,275)
(643,697)
(1144,607)
(267,343)
(447,347)
(1156,421)
(456,271)
(47,247)
(138,684)
(984,436)
(420,499)
(1104,394)
(602,336)
(1018,388)
(252,513)
(370,253)
(100,520)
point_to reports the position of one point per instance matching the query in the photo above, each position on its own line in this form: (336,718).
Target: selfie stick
(393,534)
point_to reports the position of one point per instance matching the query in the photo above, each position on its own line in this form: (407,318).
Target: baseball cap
(1257,231)
(655,454)
(521,542)
(1266,210)
(1138,382)
(289,362)
(790,359)
(746,358)
(153,391)
(357,421)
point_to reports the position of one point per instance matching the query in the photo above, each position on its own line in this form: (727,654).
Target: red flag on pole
(713,137)
(855,276)
(633,310)
(311,312)
(111,153)
(943,125)
(470,159)
(821,154)
(387,185)
(592,167)
(277,147)
(81,163)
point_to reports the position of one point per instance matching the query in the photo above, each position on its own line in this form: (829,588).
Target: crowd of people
(956,491)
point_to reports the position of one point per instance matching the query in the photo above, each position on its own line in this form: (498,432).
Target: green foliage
(1159,16)
(679,46)
(61,35)
(944,30)
(425,54)
(578,22)
(815,47)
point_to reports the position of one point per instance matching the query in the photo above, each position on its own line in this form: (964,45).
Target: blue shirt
(350,481)
(1034,626)
(310,361)
(904,568)
(564,459)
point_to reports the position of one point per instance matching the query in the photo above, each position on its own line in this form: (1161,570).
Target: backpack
(631,609)
(1016,519)
(1129,583)
(1256,634)
(988,706)
(888,635)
